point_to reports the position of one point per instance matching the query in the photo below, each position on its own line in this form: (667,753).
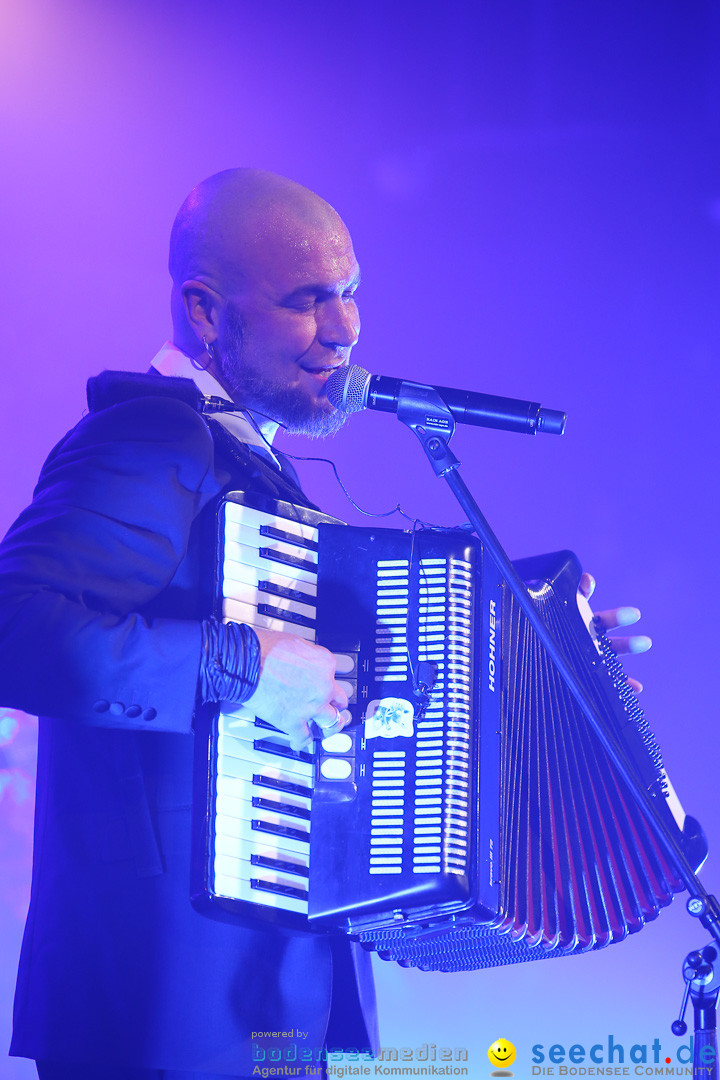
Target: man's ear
(202,309)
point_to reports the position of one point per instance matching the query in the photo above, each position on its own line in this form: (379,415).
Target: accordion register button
(335,769)
(337,744)
(116,708)
(350,688)
(101,706)
(344,663)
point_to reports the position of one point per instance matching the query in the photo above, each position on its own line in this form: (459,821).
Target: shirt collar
(172,361)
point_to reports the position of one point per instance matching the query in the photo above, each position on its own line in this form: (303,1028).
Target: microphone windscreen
(347,387)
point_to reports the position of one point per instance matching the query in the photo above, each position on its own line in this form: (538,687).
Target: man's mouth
(323,371)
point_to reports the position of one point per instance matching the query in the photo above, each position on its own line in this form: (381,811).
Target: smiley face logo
(501,1054)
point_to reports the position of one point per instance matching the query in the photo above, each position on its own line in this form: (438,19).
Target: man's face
(291,323)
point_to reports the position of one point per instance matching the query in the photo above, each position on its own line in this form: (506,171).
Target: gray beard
(266,396)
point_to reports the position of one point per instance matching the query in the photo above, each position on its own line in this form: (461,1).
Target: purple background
(534,195)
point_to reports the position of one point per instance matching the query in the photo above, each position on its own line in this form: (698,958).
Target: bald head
(264,276)
(223,220)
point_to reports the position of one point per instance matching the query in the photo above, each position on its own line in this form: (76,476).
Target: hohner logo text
(491,661)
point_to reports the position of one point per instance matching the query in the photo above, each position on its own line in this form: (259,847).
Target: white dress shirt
(241,424)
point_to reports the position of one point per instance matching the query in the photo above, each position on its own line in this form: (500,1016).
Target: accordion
(468,817)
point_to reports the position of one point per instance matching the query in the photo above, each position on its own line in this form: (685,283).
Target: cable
(397,509)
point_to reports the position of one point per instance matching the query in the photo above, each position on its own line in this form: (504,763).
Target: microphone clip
(422,409)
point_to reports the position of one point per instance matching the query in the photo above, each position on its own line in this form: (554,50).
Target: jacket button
(117,708)
(149,714)
(132,711)
(101,706)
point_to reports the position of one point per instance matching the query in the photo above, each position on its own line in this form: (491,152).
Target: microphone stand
(702,984)
(422,409)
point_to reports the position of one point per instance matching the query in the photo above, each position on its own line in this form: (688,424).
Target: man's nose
(339,325)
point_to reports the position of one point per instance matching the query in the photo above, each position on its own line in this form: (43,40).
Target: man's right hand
(296,686)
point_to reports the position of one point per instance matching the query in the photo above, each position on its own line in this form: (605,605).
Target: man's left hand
(611,620)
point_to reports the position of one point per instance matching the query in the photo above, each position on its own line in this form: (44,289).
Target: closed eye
(299,304)
(305,298)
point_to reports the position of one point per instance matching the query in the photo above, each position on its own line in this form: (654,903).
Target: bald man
(107,632)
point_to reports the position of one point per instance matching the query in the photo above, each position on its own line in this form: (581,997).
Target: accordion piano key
(253,797)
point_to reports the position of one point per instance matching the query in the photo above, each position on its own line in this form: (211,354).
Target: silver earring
(209,350)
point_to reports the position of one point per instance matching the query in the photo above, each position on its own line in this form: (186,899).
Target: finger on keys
(620,616)
(339,697)
(330,720)
(301,739)
(631,646)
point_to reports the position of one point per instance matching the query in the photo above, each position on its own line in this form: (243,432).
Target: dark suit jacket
(103,581)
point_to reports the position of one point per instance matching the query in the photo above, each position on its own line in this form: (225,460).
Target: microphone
(351,389)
